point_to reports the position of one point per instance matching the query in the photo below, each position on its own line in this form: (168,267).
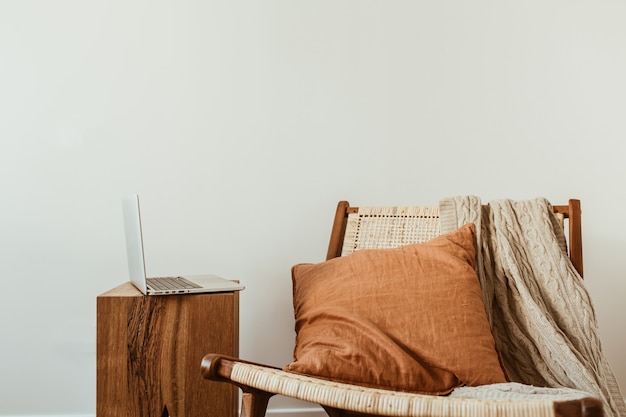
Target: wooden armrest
(585,407)
(255,400)
(217,367)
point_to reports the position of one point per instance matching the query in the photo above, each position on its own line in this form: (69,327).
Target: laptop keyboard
(171,283)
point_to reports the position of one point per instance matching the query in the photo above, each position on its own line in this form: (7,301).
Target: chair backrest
(358,228)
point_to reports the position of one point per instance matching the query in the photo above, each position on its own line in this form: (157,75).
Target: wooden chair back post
(339,230)
(571,212)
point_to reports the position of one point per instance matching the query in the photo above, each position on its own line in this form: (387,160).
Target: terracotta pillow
(409,319)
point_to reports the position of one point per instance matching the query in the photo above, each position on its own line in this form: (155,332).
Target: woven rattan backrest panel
(389,227)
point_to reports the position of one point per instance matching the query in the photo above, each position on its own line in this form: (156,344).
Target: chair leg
(254,404)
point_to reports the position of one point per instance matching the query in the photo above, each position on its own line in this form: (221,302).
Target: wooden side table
(149,350)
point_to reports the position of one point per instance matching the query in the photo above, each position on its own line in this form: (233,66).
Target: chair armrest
(585,407)
(218,367)
(256,382)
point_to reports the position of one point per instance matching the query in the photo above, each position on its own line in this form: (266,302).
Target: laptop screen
(134,242)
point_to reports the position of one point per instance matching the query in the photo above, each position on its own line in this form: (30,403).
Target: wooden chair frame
(255,400)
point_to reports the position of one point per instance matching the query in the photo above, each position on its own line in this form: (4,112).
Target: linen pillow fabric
(409,319)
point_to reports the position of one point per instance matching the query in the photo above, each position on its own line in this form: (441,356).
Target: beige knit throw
(541,314)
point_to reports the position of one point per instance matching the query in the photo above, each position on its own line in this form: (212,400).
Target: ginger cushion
(409,319)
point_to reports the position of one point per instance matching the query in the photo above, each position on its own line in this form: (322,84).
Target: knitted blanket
(542,316)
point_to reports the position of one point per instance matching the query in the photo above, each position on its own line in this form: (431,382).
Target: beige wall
(241,123)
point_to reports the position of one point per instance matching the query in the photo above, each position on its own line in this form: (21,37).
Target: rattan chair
(364,228)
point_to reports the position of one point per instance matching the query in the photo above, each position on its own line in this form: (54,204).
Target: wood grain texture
(149,350)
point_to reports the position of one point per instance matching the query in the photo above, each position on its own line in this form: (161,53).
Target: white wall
(242,123)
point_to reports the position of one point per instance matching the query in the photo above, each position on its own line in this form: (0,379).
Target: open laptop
(163,285)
